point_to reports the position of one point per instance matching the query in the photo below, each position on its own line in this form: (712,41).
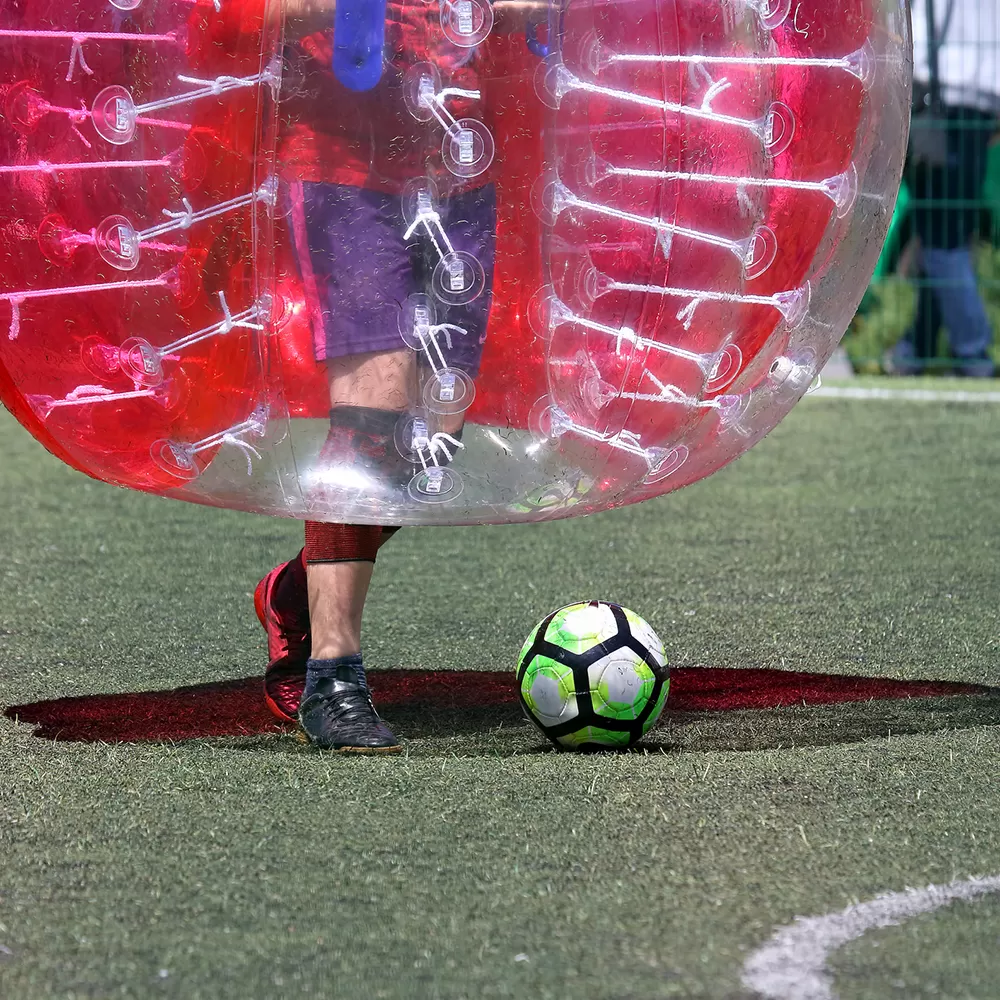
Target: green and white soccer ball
(593,675)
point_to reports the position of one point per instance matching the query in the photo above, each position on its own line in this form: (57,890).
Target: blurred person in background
(956,82)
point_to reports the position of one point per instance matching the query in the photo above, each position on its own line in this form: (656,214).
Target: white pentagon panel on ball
(550,693)
(621,684)
(580,627)
(643,632)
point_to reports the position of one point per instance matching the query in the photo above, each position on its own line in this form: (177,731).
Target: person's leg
(339,560)
(354,268)
(336,712)
(931,222)
(969,134)
(970,334)
(383,380)
(470,220)
(927,322)
(915,351)
(373,380)
(282,604)
(969,331)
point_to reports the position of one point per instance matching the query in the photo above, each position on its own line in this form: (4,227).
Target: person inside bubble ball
(348,153)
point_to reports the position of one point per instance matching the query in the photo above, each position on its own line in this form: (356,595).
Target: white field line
(792,965)
(905,395)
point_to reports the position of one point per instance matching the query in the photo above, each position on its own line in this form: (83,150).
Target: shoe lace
(346,704)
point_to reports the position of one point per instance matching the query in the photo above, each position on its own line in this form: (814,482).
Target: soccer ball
(593,675)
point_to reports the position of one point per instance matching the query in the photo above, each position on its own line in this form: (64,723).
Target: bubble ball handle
(359,43)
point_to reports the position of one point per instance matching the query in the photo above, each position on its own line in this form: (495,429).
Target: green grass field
(861,538)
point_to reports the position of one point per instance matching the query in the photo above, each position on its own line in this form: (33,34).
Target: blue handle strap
(535,47)
(555,25)
(358,43)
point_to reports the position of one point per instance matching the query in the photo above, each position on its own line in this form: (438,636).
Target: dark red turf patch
(235,708)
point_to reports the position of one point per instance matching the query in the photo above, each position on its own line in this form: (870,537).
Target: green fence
(889,306)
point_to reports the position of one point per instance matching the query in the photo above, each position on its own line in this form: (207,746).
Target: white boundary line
(905,395)
(792,965)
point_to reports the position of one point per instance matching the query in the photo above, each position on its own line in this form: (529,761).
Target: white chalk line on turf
(904,395)
(792,965)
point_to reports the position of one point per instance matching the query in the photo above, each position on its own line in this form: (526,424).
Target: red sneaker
(288,643)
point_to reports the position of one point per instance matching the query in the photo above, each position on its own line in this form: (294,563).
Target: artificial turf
(860,538)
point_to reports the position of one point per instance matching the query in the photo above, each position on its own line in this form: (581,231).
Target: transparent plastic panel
(434,262)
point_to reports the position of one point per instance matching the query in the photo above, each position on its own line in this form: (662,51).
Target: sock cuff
(367,419)
(317,670)
(326,542)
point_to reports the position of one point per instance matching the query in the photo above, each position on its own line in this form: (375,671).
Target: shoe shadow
(478,712)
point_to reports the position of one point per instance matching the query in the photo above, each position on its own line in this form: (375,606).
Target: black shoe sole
(303,737)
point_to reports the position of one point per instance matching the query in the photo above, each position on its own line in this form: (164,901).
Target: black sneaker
(339,715)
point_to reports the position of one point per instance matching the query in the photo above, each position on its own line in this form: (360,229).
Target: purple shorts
(358,270)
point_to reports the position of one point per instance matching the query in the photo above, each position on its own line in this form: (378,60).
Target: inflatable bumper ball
(434,262)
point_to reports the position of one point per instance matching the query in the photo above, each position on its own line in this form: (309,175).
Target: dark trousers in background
(947,190)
